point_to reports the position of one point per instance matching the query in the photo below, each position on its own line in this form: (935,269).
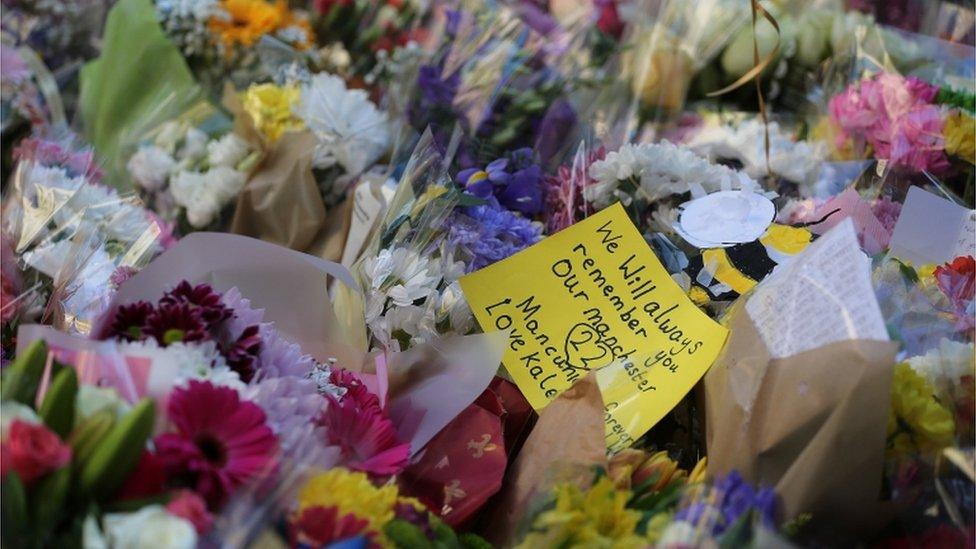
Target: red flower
(147,480)
(609,22)
(202,298)
(221,442)
(243,352)
(32,451)
(320,526)
(368,440)
(187,505)
(325,6)
(130,321)
(172,323)
(957,280)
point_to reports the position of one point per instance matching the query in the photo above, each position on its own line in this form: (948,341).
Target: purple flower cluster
(514,181)
(187,314)
(490,233)
(730,499)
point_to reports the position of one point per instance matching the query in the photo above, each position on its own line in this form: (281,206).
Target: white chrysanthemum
(178,363)
(151,526)
(417,323)
(404,274)
(350,130)
(659,170)
(228,151)
(797,161)
(946,363)
(452,306)
(150,167)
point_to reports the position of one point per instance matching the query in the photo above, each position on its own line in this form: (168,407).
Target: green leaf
(13,511)
(139,80)
(58,408)
(22,378)
(473,541)
(118,453)
(49,496)
(405,535)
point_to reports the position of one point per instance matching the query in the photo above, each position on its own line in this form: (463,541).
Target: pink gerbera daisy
(221,442)
(368,440)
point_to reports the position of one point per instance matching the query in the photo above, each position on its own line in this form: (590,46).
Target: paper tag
(594,296)
(931,229)
(822,296)
(849,204)
(370,200)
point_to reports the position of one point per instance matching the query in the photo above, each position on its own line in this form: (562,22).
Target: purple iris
(735,498)
(515,181)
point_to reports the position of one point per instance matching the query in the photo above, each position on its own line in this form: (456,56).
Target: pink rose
(188,505)
(33,451)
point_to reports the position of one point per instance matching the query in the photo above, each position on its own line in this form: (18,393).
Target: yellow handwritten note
(595,297)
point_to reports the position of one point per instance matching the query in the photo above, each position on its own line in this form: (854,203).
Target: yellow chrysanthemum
(246,21)
(350,492)
(597,518)
(825,130)
(917,422)
(960,136)
(270,107)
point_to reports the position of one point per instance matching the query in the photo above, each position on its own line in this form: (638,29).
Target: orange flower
(246,21)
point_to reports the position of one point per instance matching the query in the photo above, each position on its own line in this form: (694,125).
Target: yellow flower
(960,136)
(635,469)
(270,107)
(350,492)
(597,518)
(825,130)
(917,422)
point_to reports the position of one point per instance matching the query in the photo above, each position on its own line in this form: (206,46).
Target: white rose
(150,167)
(10,411)
(151,526)
(91,399)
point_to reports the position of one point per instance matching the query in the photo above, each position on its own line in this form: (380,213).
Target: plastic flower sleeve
(667,48)
(73,237)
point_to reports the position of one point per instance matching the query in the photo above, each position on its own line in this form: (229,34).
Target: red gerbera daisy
(320,526)
(221,442)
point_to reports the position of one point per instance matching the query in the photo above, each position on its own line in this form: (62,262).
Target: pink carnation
(896,117)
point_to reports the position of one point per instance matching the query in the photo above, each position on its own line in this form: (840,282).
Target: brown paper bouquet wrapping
(281,201)
(812,425)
